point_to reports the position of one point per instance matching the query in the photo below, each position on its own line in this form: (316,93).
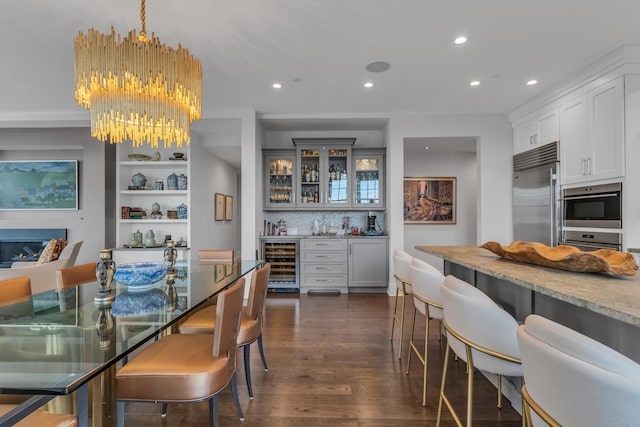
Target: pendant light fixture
(137,88)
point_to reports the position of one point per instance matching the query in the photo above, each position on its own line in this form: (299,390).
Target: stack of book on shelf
(137,213)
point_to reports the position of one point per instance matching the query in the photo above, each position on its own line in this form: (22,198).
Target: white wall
(494,156)
(210,175)
(462,166)
(88,222)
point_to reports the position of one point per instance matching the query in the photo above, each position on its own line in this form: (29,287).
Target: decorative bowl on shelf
(141,275)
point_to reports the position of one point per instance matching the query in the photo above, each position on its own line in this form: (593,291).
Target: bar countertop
(617,297)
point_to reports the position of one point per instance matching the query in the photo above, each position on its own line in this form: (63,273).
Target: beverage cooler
(283,256)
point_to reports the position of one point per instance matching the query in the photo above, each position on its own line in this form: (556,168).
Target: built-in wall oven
(597,206)
(592,240)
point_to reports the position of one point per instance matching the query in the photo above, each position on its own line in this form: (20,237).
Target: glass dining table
(58,343)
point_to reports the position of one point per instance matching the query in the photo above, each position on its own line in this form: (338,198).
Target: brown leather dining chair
(215,255)
(184,368)
(14,290)
(76,275)
(203,321)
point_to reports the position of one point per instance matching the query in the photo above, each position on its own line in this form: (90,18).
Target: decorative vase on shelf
(172,182)
(139,180)
(136,239)
(182,182)
(182,211)
(150,239)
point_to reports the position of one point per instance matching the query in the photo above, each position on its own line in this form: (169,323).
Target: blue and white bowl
(141,274)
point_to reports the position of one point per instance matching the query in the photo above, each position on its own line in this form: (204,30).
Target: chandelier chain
(143,31)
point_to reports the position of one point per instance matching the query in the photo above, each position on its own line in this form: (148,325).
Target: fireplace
(25,244)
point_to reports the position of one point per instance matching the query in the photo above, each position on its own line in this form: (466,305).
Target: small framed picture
(219,206)
(228,208)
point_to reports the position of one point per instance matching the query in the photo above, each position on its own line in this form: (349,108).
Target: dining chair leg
(404,299)
(411,345)
(120,413)
(234,393)
(424,361)
(469,386)
(164,410)
(247,369)
(264,360)
(442,383)
(213,411)
(395,311)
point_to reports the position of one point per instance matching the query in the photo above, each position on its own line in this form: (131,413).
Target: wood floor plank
(331,363)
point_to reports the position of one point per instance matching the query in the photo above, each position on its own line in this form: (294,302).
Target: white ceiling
(318,50)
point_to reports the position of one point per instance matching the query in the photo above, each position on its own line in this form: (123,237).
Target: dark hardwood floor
(331,363)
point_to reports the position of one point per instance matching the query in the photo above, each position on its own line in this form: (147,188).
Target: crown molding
(622,60)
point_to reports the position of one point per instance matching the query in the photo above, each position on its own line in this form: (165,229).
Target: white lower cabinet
(323,265)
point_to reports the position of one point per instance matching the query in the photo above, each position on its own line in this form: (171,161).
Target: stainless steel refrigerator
(536,195)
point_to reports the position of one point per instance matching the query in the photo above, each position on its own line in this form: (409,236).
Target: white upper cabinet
(592,134)
(538,129)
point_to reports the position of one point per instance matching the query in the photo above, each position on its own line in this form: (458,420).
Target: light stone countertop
(617,297)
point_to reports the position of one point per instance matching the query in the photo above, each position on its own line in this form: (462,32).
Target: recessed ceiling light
(474,83)
(277,86)
(378,66)
(532,82)
(368,84)
(426,148)
(460,40)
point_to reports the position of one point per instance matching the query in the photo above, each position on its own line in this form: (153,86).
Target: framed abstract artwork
(429,200)
(39,184)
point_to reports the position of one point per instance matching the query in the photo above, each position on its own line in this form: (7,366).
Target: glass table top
(54,342)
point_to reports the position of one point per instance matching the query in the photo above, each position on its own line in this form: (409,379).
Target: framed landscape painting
(429,200)
(38,184)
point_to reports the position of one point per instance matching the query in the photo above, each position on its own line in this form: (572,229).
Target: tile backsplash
(303,221)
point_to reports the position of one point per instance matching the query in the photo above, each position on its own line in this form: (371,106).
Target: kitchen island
(599,305)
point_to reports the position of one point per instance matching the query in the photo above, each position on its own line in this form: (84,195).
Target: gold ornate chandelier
(136,88)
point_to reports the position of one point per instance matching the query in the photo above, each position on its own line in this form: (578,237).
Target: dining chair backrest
(477,318)
(575,379)
(225,334)
(215,255)
(401,268)
(15,289)
(258,292)
(401,253)
(76,275)
(424,265)
(425,285)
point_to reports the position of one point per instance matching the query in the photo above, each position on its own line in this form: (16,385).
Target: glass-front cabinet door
(324,175)
(309,177)
(281,179)
(336,175)
(368,179)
